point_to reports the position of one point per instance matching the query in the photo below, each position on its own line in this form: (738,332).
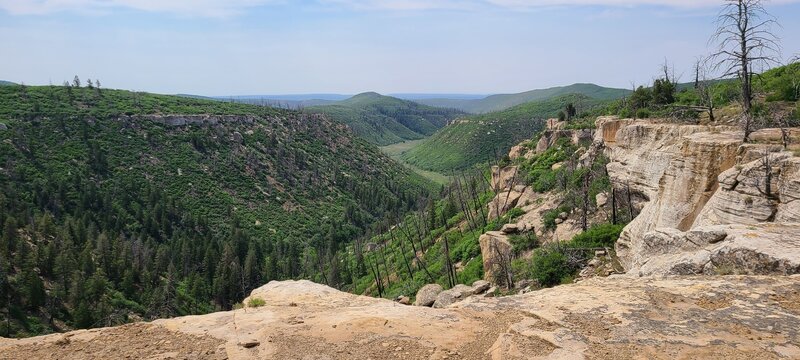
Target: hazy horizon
(275,47)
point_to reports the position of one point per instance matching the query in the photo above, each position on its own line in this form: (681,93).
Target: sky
(249,47)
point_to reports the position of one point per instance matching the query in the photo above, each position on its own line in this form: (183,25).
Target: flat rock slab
(620,317)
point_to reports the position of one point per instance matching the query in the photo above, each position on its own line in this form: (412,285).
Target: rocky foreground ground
(621,317)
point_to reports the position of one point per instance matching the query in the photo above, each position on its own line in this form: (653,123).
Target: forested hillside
(480,138)
(385,120)
(504,101)
(115,209)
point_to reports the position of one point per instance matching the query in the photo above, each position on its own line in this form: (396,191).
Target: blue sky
(238,47)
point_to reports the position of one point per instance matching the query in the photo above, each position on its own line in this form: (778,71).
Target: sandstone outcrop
(671,172)
(550,138)
(708,204)
(733,317)
(496,249)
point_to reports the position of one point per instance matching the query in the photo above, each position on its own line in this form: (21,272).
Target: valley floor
(395,151)
(621,317)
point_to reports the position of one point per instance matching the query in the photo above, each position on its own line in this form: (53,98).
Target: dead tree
(745,41)
(767,165)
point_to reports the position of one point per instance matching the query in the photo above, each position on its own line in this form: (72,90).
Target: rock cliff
(744,317)
(688,180)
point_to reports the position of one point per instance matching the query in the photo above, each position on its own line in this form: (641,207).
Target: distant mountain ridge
(6,83)
(478,138)
(386,120)
(501,102)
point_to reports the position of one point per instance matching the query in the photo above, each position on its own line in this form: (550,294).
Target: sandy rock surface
(734,317)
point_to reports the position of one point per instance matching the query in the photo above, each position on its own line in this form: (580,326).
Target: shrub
(522,243)
(515,213)
(550,266)
(256,302)
(604,235)
(642,113)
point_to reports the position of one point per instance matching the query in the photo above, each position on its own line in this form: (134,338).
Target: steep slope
(615,318)
(505,101)
(120,205)
(385,120)
(479,138)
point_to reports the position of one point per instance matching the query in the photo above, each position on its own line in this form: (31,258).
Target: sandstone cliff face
(689,180)
(671,170)
(610,318)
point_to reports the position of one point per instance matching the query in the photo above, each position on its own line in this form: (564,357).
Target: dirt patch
(134,341)
(377,348)
(714,303)
(789,301)
(672,352)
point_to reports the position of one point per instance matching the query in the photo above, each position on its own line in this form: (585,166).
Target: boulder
(706,236)
(601,199)
(509,229)
(404,300)
(452,296)
(496,253)
(237,137)
(480,287)
(426,296)
(3,127)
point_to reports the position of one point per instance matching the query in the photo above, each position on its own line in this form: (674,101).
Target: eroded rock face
(673,170)
(496,251)
(504,179)
(744,197)
(733,317)
(709,204)
(550,137)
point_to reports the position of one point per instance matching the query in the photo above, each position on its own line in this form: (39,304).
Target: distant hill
(505,101)
(478,138)
(6,83)
(386,120)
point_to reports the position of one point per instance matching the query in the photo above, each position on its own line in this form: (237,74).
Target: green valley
(385,120)
(119,205)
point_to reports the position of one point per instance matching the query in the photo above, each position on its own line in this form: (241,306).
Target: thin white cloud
(228,8)
(202,8)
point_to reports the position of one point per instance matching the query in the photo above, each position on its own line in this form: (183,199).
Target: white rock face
(671,170)
(709,205)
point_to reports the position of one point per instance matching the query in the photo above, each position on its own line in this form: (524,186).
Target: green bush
(521,243)
(550,216)
(550,266)
(642,113)
(603,235)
